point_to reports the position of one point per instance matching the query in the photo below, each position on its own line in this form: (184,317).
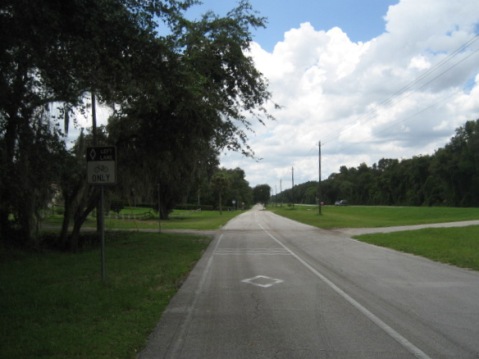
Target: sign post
(101,170)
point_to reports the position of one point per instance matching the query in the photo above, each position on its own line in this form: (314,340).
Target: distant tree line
(449,177)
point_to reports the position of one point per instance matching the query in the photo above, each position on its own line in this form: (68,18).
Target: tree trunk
(4,225)
(81,214)
(164,213)
(7,168)
(67,216)
(29,222)
(78,205)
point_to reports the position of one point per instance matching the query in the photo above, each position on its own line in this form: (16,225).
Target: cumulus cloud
(83,119)
(398,95)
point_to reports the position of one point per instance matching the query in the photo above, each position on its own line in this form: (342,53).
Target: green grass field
(374,216)
(457,246)
(54,305)
(141,218)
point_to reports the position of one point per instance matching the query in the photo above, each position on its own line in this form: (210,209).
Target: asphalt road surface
(269,287)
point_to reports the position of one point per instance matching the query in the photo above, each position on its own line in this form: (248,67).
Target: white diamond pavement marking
(262,281)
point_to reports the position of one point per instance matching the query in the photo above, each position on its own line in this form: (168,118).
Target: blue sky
(370,79)
(360,19)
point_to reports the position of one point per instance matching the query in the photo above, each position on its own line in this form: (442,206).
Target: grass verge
(179,219)
(183,219)
(374,216)
(457,246)
(54,305)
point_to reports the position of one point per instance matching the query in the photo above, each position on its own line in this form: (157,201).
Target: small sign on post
(101,170)
(101,165)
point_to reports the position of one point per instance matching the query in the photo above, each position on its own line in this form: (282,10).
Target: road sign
(101,165)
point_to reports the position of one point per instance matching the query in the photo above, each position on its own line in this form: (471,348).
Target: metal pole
(319,179)
(159,208)
(93,117)
(101,229)
(275,196)
(95,143)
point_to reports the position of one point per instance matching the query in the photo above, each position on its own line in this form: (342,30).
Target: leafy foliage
(200,98)
(261,193)
(179,98)
(448,177)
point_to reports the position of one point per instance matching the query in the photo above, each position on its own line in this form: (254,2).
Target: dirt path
(358,231)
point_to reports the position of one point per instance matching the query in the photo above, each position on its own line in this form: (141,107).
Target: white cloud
(84,120)
(419,62)
(398,95)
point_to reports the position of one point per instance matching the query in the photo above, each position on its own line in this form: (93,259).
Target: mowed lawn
(373,216)
(54,305)
(457,246)
(143,218)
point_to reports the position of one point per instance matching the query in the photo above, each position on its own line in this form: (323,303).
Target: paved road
(269,287)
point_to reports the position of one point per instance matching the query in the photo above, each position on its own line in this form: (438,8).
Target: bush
(116,205)
(51,241)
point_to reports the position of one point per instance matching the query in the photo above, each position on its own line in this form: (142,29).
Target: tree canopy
(182,91)
(262,193)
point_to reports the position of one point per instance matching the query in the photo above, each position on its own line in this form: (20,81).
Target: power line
(416,84)
(424,79)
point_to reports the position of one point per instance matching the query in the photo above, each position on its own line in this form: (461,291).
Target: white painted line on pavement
(263,281)
(173,353)
(418,353)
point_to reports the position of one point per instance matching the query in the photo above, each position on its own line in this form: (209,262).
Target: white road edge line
(418,353)
(174,351)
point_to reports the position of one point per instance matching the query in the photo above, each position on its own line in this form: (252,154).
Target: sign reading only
(101,165)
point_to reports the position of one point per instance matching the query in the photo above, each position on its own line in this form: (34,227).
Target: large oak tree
(202,99)
(54,51)
(183,91)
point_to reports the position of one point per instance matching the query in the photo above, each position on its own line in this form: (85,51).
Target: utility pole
(281,192)
(319,179)
(275,196)
(100,212)
(292,185)
(159,207)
